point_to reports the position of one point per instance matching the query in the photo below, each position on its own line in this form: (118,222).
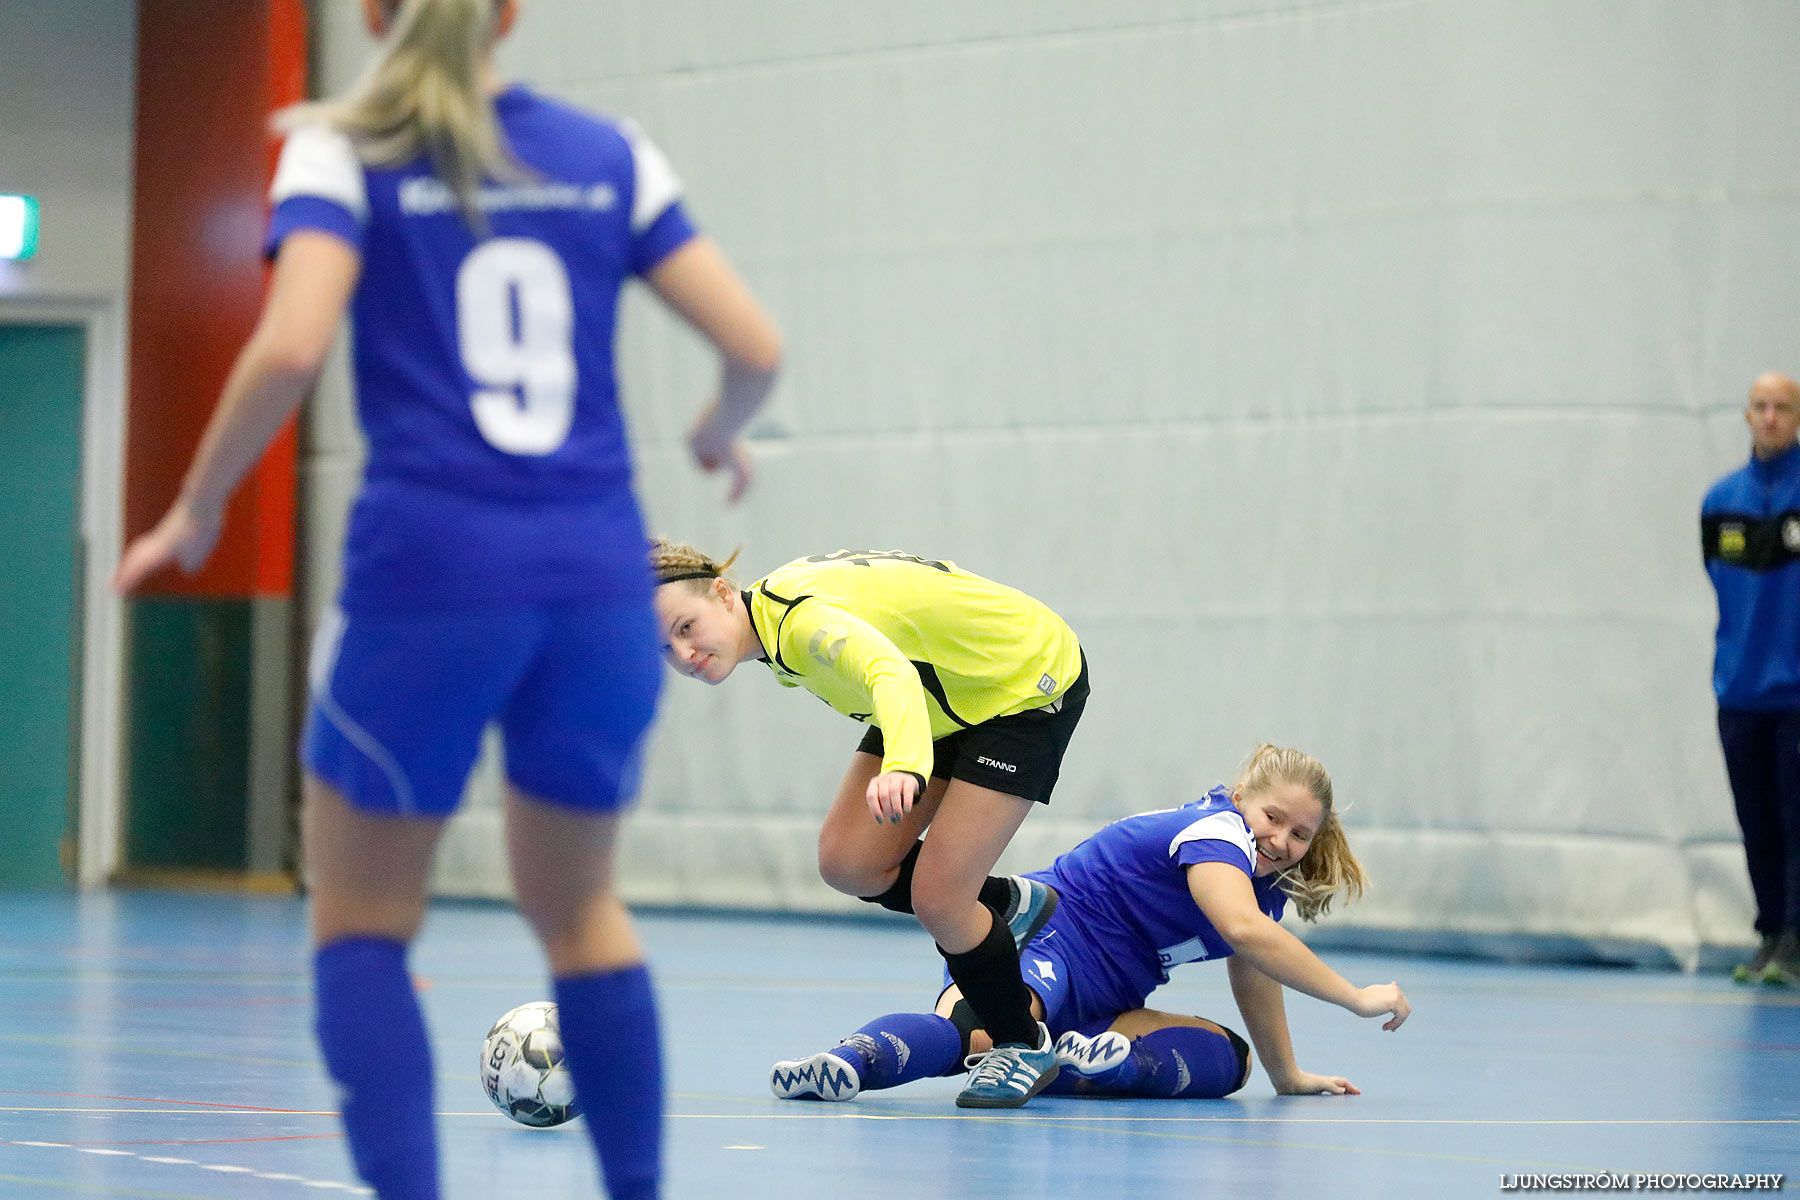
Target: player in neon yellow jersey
(972,690)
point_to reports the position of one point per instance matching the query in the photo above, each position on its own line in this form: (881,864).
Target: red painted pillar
(210,75)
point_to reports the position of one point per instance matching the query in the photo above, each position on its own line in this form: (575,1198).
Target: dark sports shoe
(1028,908)
(1752,971)
(1784,964)
(1007,1076)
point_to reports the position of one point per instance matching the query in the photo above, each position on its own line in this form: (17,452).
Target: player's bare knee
(954,919)
(567,951)
(548,923)
(845,869)
(336,916)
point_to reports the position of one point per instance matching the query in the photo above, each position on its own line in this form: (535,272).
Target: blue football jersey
(1750,541)
(1127,916)
(498,466)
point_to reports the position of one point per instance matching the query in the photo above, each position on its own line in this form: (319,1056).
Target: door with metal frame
(41,384)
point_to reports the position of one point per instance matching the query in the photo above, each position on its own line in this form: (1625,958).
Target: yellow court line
(1021,1118)
(1024,1117)
(1278,1144)
(1096,1125)
(1122,1126)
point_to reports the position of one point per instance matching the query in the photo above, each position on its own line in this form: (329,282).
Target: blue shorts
(1050,965)
(399,702)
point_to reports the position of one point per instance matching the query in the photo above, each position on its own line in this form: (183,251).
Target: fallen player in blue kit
(1210,879)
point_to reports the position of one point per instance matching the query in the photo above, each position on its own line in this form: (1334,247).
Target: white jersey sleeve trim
(1225,827)
(657,185)
(319,161)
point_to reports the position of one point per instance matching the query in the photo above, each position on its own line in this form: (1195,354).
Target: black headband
(686,575)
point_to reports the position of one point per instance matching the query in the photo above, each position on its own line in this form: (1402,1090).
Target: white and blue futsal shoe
(824,1076)
(1091,1056)
(1029,908)
(1008,1076)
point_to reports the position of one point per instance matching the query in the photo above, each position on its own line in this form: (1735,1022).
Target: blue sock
(900,1048)
(372,1034)
(1181,1061)
(614,1052)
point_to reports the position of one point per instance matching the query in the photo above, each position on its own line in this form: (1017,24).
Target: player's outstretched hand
(1304,1083)
(723,453)
(891,796)
(1380,998)
(182,536)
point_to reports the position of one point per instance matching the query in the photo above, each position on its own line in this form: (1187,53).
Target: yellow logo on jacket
(1731,541)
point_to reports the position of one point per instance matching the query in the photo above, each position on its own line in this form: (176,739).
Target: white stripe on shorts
(323,662)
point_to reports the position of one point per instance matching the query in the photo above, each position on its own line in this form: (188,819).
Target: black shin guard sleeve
(966,1022)
(1242,1049)
(990,981)
(898,898)
(996,892)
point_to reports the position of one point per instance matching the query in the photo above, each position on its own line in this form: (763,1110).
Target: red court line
(158,1005)
(292,1137)
(155,1100)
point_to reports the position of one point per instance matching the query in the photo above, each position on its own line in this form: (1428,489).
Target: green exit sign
(18,226)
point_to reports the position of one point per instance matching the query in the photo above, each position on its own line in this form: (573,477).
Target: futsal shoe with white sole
(1028,909)
(1009,1075)
(824,1076)
(1091,1056)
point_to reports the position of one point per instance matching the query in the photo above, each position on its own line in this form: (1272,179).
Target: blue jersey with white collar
(1126,915)
(1750,542)
(498,467)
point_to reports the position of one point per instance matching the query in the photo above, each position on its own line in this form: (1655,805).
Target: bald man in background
(1750,541)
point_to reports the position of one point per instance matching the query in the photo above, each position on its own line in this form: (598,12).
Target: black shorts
(1019,754)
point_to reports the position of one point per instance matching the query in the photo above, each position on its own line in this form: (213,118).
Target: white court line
(222,1168)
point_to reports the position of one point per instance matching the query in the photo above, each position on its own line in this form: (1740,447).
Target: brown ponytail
(678,562)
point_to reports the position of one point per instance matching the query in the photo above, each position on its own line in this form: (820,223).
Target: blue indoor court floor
(158,1046)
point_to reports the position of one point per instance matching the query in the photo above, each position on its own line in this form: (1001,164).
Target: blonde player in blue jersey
(1205,881)
(971,690)
(477,235)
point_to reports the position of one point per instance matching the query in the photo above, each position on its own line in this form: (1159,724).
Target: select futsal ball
(522,1067)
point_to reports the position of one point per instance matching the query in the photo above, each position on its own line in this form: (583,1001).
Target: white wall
(67,72)
(67,98)
(1347,373)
